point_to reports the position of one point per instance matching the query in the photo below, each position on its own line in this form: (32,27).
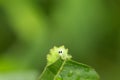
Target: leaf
(67,69)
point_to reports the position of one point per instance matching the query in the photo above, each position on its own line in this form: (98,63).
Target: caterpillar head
(56,53)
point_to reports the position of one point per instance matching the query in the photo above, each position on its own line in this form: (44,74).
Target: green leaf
(67,69)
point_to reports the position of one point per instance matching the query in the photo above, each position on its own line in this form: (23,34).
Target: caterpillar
(56,53)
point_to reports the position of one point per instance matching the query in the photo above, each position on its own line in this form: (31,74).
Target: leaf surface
(68,70)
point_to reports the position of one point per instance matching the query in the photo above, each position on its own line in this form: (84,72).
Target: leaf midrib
(60,69)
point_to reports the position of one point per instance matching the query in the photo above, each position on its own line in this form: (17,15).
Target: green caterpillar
(56,53)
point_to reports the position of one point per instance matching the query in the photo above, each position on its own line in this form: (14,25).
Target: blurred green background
(29,28)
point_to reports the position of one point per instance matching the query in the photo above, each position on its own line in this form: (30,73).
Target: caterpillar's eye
(60,52)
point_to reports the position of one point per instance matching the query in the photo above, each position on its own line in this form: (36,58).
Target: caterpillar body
(56,53)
